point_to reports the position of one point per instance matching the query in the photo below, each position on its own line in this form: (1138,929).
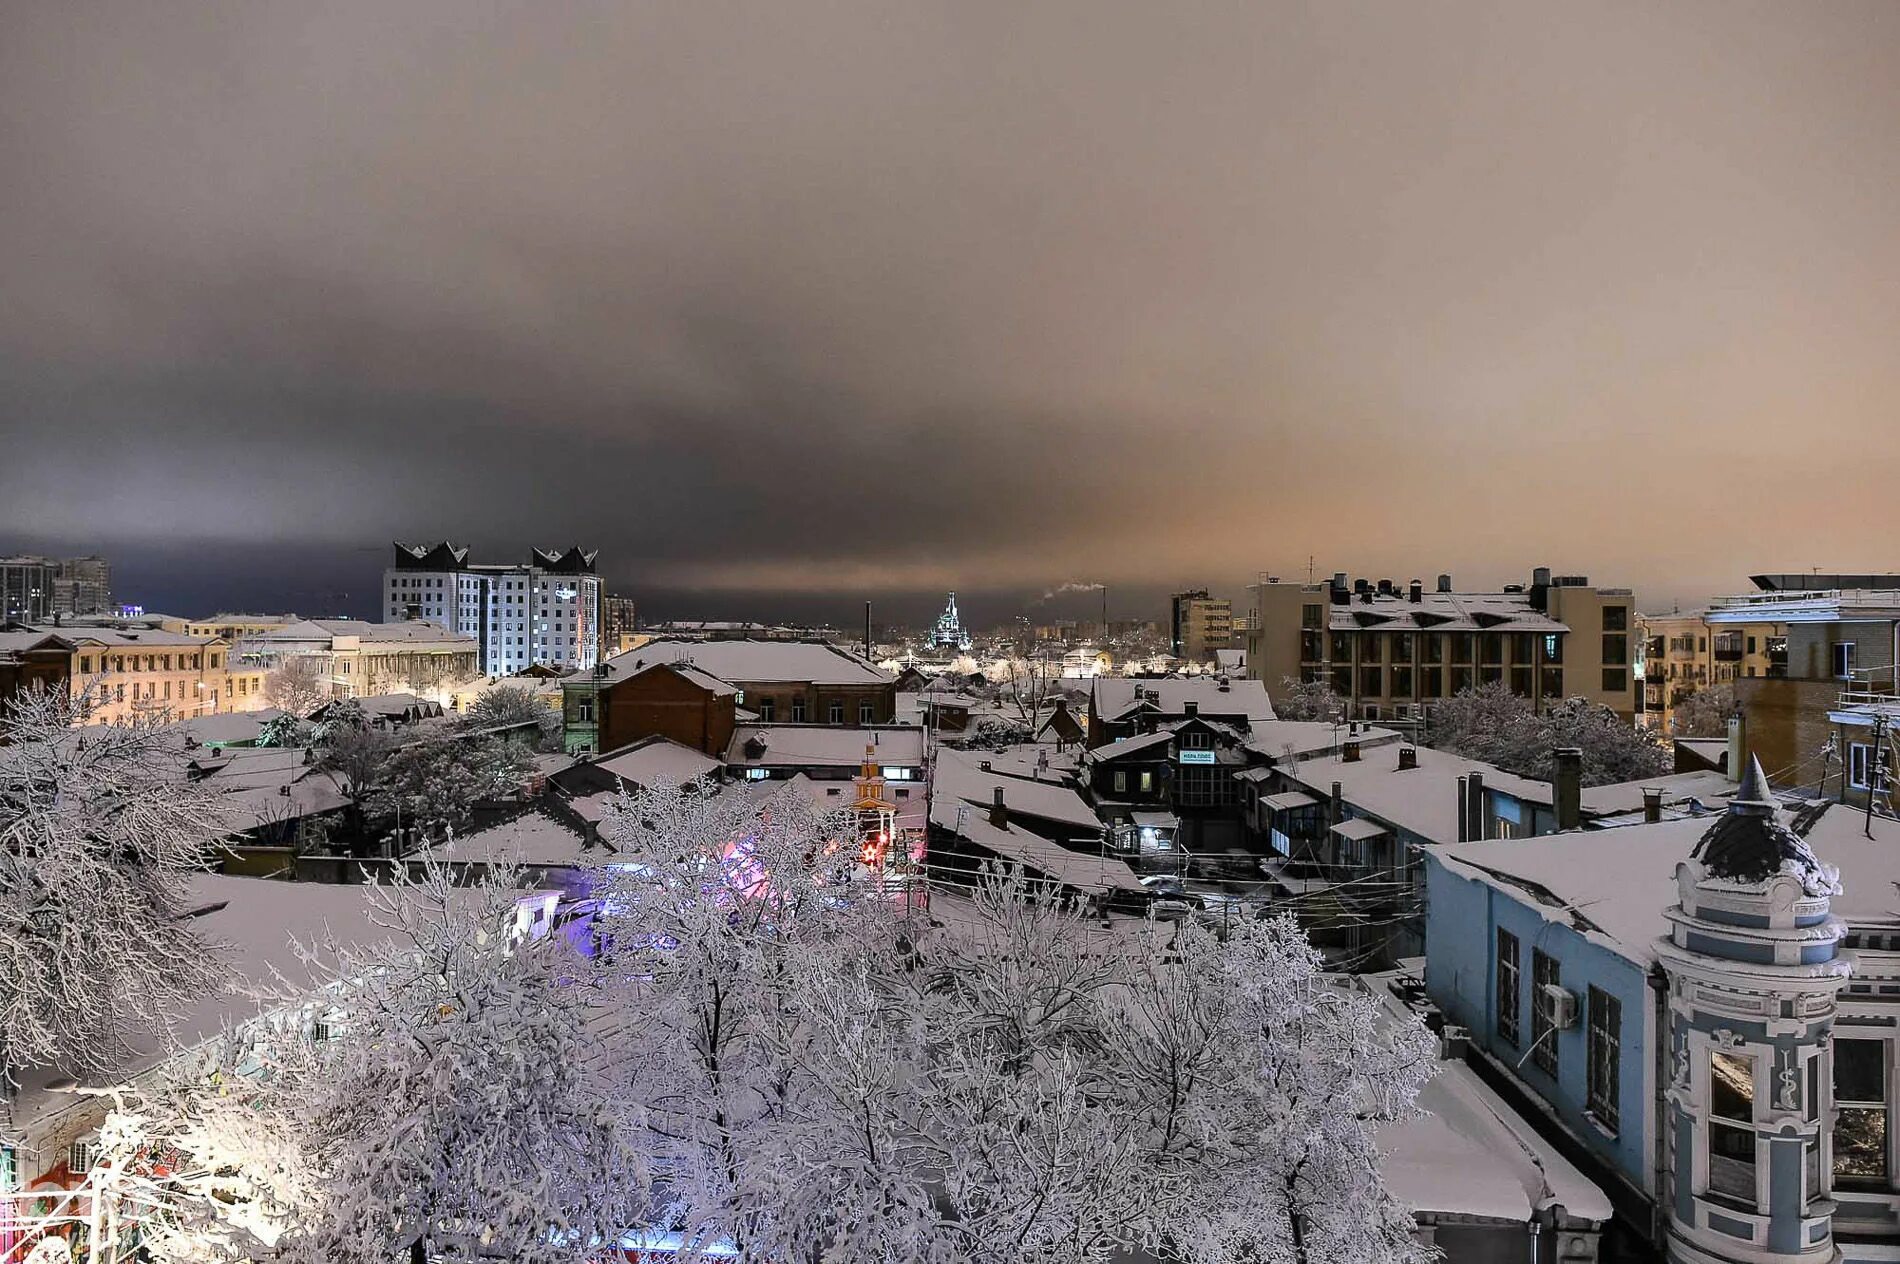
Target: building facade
(1393,651)
(361,659)
(1199,624)
(547,610)
(26,588)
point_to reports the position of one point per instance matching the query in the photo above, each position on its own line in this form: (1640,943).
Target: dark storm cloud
(913,296)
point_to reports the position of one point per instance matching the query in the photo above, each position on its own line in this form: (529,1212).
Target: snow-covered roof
(1278,739)
(1421,800)
(1092,875)
(742,662)
(1121,748)
(814,745)
(118,638)
(653,760)
(1470,1154)
(960,776)
(407,631)
(256,923)
(536,838)
(227,727)
(1615,883)
(1213,695)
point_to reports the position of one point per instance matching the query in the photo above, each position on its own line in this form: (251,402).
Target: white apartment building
(545,611)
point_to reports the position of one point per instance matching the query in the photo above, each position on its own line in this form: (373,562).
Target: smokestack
(1444,583)
(999,815)
(1737,746)
(1652,804)
(1408,758)
(1416,592)
(1567,788)
(1474,807)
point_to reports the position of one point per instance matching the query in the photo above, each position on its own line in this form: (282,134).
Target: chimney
(1339,579)
(1567,787)
(1416,592)
(1737,746)
(1336,807)
(1464,811)
(1408,758)
(1474,807)
(1444,583)
(1361,587)
(999,815)
(1192,708)
(1385,588)
(1652,804)
(1349,751)
(1541,577)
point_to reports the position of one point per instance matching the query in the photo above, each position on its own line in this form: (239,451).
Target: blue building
(1674,1001)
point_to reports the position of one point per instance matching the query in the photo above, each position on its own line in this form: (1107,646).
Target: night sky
(783,305)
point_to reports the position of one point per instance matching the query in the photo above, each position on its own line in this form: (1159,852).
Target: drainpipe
(1537,1227)
(1659,1075)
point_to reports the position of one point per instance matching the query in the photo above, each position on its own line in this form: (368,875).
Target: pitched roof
(742,661)
(656,759)
(808,745)
(1092,875)
(960,776)
(1116,696)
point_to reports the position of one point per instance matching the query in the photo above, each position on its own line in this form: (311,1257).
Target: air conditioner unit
(1563,1006)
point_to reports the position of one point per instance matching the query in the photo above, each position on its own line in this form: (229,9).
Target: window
(1551,682)
(1121,783)
(1401,643)
(1843,652)
(1342,681)
(584,711)
(1491,646)
(82,1155)
(865,711)
(1341,647)
(1401,682)
(835,713)
(1462,645)
(1195,739)
(1507,984)
(1732,1126)
(1859,755)
(1616,649)
(767,709)
(1553,647)
(1434,682)
(1147,783)
(1605,1050)
(798,710)
(1435,647)
(1616,618)
(1615,680)
(1860,1099)
(1545,974)
(1310,616)
(1371,681)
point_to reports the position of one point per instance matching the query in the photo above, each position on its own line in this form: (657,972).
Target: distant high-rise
(26,588)
(82,585)
(38,588)
(1199,624)
(618,618)
(545,611)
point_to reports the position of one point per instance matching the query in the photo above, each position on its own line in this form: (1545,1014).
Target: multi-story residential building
(136,672)
(361,659)
(619,620)
(1199,624)
(1684,654)
(546,610)
(82,585)
(1823,711)
(1391,651)
(26,588)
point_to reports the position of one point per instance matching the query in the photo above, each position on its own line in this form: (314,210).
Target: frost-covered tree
(438,1091)
(817,1075)
(1706,712)
(283,731)
(298,685)
(100,832)
(1307,700)
(434,783)
(1492,724)
(511,705)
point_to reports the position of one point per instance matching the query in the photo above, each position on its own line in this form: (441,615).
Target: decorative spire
(1749,844)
